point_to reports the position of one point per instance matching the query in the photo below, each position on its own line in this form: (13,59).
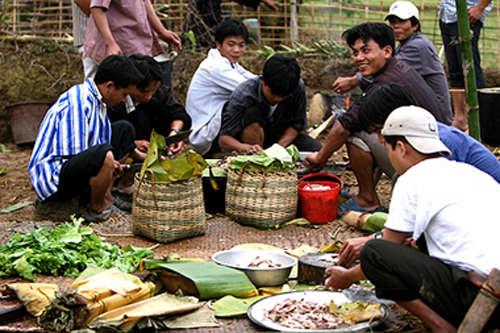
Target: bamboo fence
(315,20)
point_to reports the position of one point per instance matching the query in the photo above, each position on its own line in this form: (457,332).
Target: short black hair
(120,70)
(393,140)
(414,21)
(281,74)
(377,106)
(149,68)
(381,33)
(230,27)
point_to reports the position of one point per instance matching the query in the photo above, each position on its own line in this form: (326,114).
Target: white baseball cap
(403,10)
(418,126)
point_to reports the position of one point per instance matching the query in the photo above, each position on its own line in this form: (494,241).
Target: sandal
(345,193)
(122,205)
(351,204)
(103,216)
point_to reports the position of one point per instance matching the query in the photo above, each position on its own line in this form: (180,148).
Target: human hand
(117,168)
(272,5)
(176,147)
(172,39)
(338,278)
(113,49)
(475,14)
(350,250)
(314,162)
(142,145)
(343,84)
(249,148)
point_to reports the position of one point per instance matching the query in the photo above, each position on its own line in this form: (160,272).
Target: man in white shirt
(215,79)
(437,282)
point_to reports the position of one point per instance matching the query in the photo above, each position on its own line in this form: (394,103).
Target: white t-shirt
(210,88)
(456,206)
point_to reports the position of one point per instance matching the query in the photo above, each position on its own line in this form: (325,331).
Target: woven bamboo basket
(261,199)
(167,212)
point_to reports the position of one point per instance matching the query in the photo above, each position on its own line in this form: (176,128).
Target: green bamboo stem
(472,104)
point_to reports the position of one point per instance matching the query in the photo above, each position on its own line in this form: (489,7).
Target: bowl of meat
(263,268)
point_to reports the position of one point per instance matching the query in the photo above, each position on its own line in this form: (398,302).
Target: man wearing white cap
(414,49)
(438,282)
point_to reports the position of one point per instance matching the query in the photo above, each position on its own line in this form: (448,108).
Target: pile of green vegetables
(274,158)
(66,250)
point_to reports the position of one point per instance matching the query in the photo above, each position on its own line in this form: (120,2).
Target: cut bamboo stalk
(316,132)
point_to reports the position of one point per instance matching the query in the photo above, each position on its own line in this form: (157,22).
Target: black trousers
(75,175)
(402,273)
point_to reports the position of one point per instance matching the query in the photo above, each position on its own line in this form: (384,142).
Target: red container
(319,206)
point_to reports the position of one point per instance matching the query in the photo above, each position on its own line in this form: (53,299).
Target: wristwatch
(379,235)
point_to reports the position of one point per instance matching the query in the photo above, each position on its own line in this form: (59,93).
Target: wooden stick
(316,132)
(485,303)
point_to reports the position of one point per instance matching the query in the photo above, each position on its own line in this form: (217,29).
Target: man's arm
(336,138)
(167,36)
(349,252)
(84,5)
(476,12)
(229,143)
(102,25)
(288,137)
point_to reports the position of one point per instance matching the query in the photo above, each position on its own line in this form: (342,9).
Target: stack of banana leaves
(274,158)
(161,166)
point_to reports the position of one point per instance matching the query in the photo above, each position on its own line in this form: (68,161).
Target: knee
(109,161)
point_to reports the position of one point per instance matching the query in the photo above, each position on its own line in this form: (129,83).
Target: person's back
(214,81)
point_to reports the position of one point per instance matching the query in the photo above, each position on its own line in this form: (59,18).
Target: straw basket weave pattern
(262,199)
(167,212)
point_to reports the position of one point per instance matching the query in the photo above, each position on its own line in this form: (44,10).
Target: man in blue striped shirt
(77,150)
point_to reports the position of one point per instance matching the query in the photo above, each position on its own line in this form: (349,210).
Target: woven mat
(221,234)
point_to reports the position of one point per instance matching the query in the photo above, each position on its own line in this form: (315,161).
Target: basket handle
(263,179)
(152,185)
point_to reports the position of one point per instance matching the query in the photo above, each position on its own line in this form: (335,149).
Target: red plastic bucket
(319,206)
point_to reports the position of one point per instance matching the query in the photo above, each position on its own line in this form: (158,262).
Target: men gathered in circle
(214,80)
(268,109)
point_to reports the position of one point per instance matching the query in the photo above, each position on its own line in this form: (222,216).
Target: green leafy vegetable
(15,207)
(64,251)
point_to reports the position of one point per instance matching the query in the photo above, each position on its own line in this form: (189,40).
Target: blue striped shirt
(448,10)
(77,121)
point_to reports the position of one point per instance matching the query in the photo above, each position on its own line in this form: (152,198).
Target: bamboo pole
(293,21)
(472,105)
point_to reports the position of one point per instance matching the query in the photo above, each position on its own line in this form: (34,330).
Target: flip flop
(104,216)
(351,204)
(345,193)
(122,205)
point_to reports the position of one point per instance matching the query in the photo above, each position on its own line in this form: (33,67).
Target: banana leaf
(274,158)
(180,167)
(230,306)
(205,280)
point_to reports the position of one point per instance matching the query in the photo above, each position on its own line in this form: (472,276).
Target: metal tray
(256,311)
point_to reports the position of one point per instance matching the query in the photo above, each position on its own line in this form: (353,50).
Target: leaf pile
(183,166)
(64,251)
(274,158)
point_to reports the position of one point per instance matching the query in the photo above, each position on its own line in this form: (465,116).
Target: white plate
(257,310)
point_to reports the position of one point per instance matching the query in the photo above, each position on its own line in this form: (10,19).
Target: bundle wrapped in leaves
(161,166)
(66,250)
(274,158)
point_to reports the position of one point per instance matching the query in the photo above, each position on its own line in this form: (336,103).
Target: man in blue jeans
(477,10)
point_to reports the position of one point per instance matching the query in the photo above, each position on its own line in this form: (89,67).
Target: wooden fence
(316,20)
